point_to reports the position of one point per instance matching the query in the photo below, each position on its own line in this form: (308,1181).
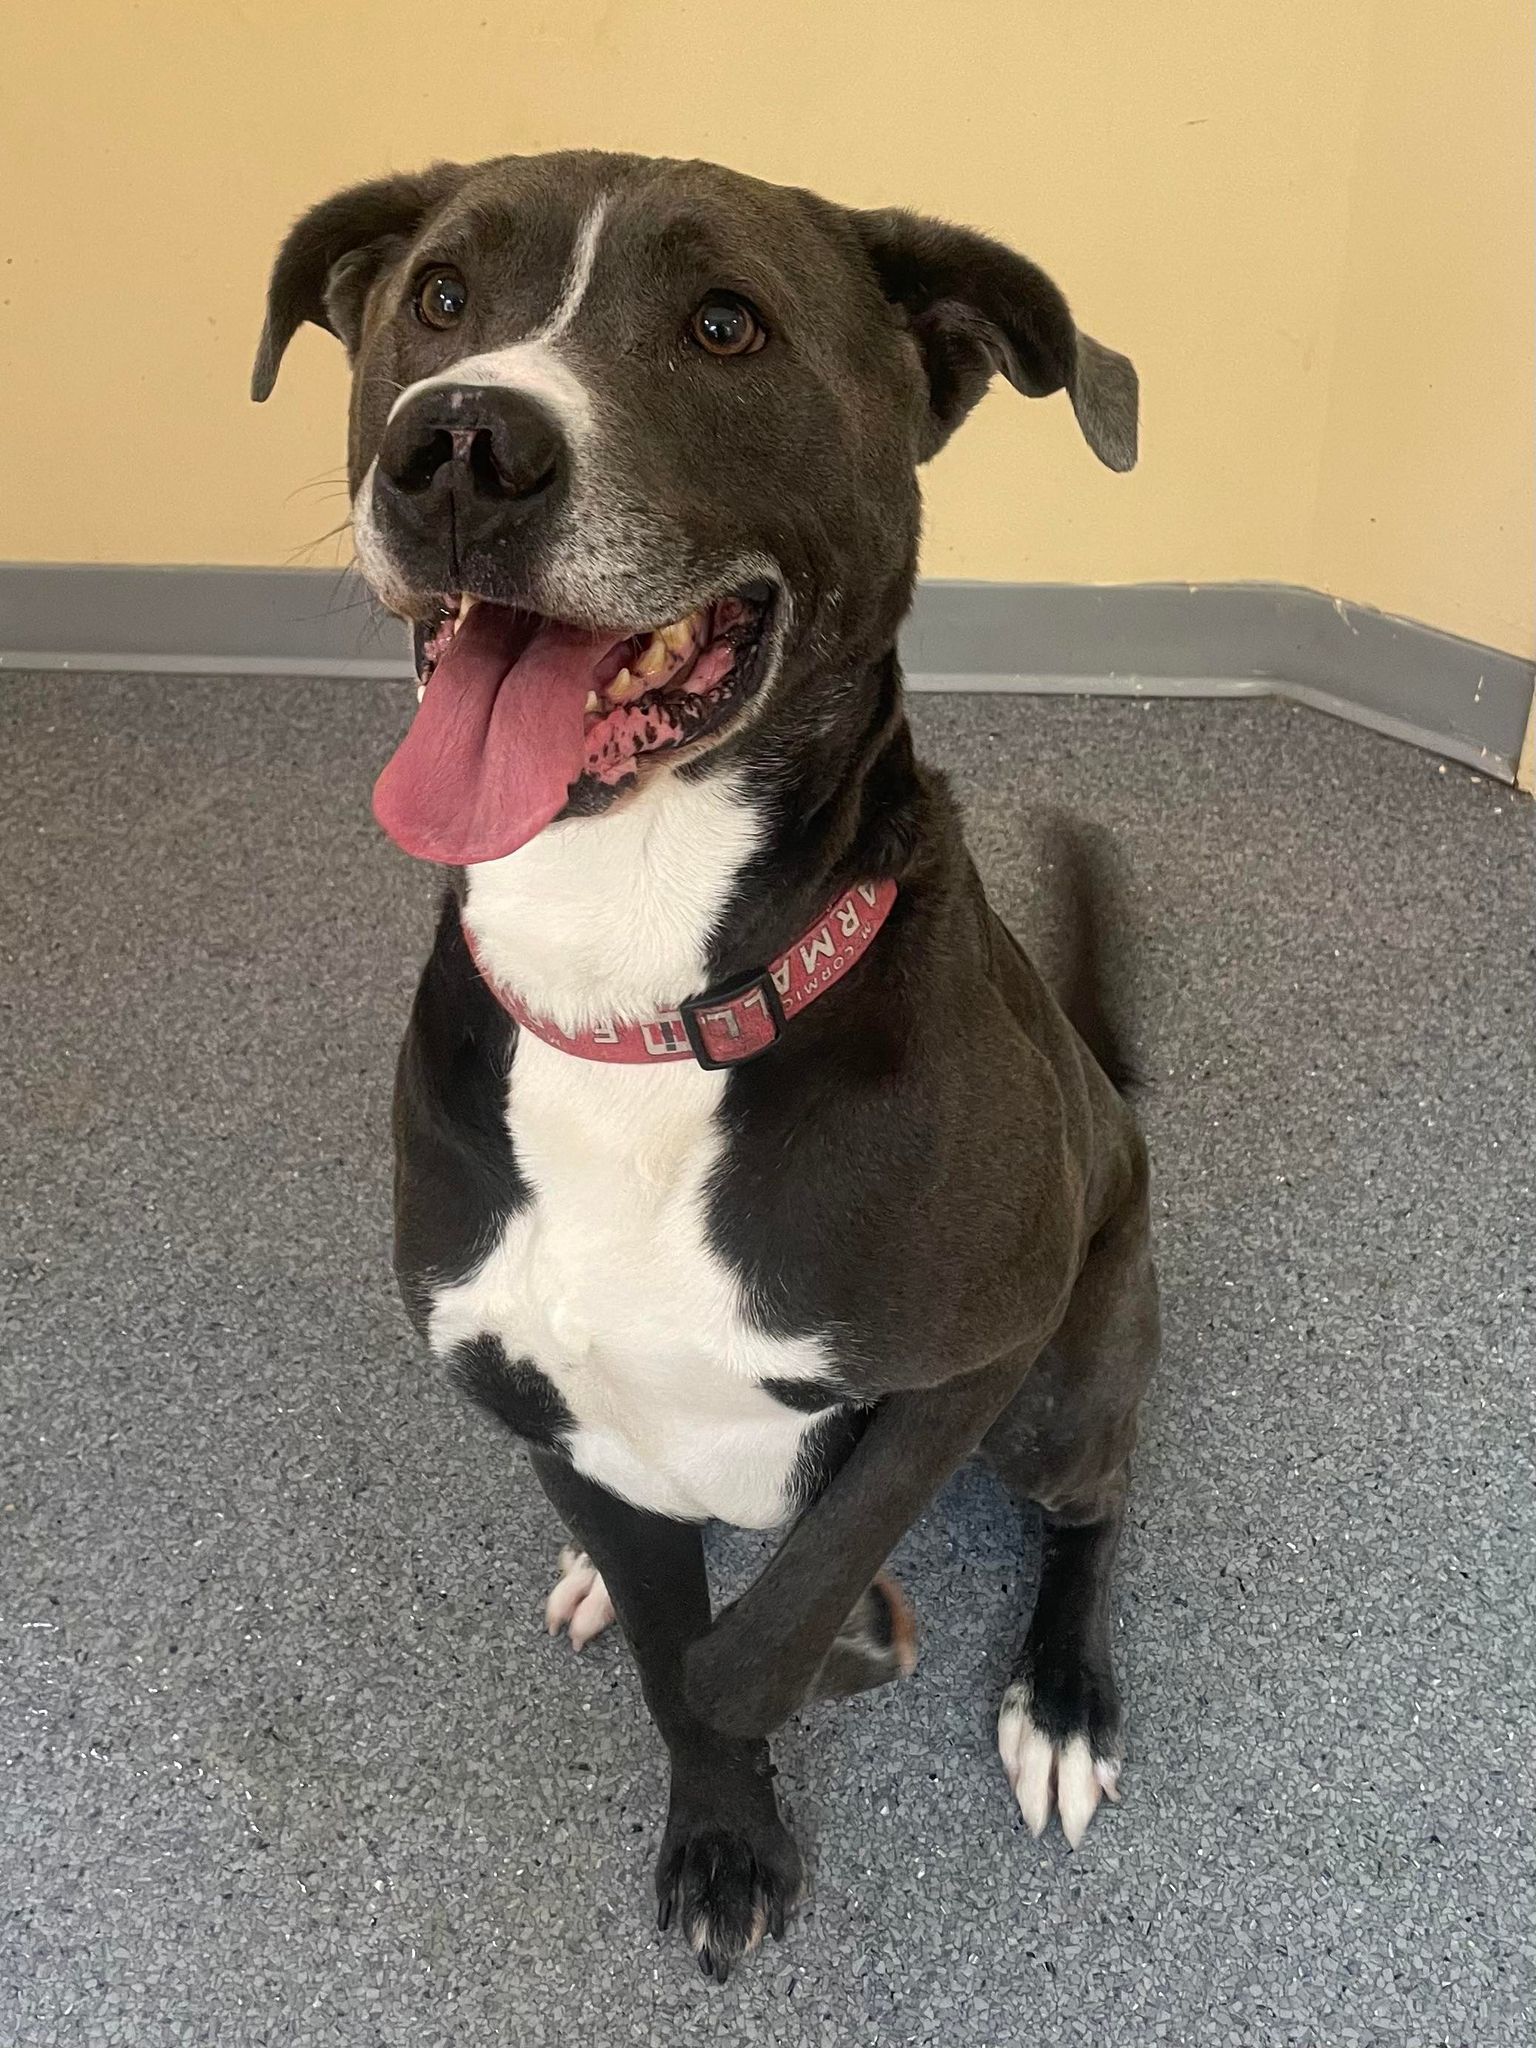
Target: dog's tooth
(465,603)
(653,657)
(623,687)
(592,702)
(678,638)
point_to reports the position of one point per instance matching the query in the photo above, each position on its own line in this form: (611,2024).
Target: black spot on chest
(828,1439)
(824,1448)
(513,1390)
(806,1397)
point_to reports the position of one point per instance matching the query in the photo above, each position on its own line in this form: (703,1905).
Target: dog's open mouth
(520,714)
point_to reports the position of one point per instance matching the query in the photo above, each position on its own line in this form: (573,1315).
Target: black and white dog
(746,1167)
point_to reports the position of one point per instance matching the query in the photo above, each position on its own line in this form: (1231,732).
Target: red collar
(726,1026)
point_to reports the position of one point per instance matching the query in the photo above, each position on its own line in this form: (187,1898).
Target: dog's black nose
(468,458)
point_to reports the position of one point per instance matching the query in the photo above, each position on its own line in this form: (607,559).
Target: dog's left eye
(441,296)
(726,325)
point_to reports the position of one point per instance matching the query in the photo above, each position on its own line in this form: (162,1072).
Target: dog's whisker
(333,480)
(308,548)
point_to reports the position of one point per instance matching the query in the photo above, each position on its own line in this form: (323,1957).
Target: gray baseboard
(1468,702)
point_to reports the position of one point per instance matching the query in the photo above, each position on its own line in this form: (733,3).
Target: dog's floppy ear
(333,254)
(976,308)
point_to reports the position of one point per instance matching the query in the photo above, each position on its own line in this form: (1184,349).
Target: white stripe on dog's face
(579,276)
(531,367)
(535,366)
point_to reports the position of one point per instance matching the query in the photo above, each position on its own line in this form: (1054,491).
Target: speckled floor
(287,1756)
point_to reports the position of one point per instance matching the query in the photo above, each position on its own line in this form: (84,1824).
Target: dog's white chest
(607,1283)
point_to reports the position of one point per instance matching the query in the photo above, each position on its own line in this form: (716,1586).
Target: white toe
(1029,1760)
(1077,1789)
(592,1616)
(579,1599)
(577,1573)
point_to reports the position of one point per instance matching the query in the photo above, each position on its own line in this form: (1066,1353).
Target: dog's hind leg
(1064,1443)
(1059,1729)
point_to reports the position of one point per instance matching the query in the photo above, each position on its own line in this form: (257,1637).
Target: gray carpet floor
(287,1756)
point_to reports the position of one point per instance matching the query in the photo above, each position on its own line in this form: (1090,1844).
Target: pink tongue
(496,742)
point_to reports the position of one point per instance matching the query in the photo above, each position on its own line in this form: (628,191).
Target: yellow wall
(1309,225)
(1425,488)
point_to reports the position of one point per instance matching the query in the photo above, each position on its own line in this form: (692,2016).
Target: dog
(746,1168)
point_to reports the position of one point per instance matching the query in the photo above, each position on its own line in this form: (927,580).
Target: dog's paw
(578,1601)
(878,1642)
(1066,1773)
(726,1888)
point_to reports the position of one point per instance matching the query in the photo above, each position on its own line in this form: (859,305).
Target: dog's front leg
(761,1658)
(729,1871)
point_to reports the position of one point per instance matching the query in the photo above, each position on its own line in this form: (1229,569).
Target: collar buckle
(732,1025)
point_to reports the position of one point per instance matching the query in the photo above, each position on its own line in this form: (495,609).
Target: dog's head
(633,446)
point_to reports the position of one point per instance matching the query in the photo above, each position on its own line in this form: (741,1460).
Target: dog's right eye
(441,296)
(725,325)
